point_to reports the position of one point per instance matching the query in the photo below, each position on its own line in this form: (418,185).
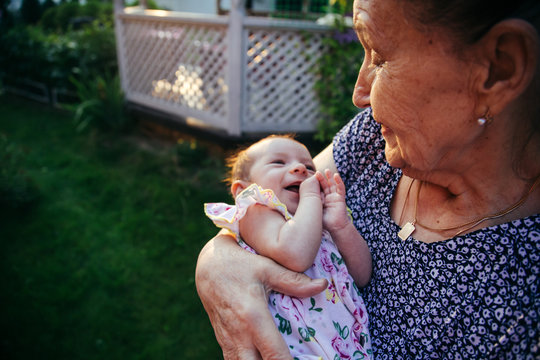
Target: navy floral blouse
(471,297)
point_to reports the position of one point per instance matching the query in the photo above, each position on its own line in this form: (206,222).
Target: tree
(6,19)
(30,11)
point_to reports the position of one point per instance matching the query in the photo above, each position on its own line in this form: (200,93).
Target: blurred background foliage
(100,226)
(99,229)
(337,71)
(70,47)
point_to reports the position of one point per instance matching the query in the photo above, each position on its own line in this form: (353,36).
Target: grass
(99,263)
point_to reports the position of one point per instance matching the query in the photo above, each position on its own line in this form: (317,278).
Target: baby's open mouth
(293,188)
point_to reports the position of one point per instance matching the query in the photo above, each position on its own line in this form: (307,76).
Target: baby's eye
(277,161)
(310,167)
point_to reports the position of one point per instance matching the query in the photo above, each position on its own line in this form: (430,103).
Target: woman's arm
(325,160)
(233,285)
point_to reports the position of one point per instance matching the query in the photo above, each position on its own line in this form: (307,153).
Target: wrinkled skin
(236,301)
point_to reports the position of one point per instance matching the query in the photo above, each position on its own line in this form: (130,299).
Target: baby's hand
(335,216)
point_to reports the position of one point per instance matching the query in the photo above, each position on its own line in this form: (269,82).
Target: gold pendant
(406,231)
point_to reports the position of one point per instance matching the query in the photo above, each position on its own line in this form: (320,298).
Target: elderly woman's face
(420,91)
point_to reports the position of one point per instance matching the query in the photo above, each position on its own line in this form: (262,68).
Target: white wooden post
(235,56)
(118,30)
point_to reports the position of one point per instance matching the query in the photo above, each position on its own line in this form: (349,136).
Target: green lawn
(100,264)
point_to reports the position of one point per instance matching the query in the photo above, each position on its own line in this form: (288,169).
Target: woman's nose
(362,88)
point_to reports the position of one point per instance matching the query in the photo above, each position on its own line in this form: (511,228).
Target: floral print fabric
(331,325)
(474,296)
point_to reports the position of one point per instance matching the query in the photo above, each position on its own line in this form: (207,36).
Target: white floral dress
(330,325)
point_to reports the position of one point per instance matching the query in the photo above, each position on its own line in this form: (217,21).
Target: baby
(281,213)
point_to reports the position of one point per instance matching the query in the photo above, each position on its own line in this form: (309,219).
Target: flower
(340,347)
(326,261)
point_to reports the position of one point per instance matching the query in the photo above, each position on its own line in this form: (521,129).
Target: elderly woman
(442,172)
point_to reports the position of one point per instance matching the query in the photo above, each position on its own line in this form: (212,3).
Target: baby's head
(277,162)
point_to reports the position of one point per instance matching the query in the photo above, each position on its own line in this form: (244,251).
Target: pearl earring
(486,119)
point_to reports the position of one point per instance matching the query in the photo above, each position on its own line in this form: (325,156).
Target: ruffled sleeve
(227,216)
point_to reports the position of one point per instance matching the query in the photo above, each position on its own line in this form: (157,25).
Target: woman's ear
(238,186)
(510,50)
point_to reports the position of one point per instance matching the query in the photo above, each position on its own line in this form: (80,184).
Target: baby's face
(281,165)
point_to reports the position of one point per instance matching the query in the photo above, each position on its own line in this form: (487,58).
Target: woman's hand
(233,285)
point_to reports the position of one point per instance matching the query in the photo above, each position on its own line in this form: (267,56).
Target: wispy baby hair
(239,163)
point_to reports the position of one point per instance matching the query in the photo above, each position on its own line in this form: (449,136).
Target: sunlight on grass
(101,264)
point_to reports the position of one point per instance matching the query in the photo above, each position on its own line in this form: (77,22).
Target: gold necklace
(409,227)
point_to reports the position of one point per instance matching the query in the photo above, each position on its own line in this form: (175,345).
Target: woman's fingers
(270,343)
(221,277)
(233,285)
(292,283)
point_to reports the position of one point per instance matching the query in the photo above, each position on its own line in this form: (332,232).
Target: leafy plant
(28,53)
(96,49)
(337,72)
(64,17)
(102,103)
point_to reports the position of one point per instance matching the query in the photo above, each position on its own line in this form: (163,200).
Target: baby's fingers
(332,182)
(340,186)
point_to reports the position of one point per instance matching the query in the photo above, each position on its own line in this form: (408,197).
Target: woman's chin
(394,158)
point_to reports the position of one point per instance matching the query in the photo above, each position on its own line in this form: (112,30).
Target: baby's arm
(336,220)
(294,243)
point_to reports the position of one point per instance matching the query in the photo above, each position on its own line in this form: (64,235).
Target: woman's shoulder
(517,234)
(360,130)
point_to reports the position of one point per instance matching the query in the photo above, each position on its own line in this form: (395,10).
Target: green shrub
(28,53)
(65,13)
(102,104)
(48,19)
(337,72)
(61,18)
(96,49)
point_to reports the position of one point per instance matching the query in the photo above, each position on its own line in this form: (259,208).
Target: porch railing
(236,73)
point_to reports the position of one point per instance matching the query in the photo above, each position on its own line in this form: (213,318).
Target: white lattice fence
(253,78)
(280,80)
(176,67)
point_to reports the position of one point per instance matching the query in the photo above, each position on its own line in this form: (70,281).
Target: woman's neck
(457,206)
